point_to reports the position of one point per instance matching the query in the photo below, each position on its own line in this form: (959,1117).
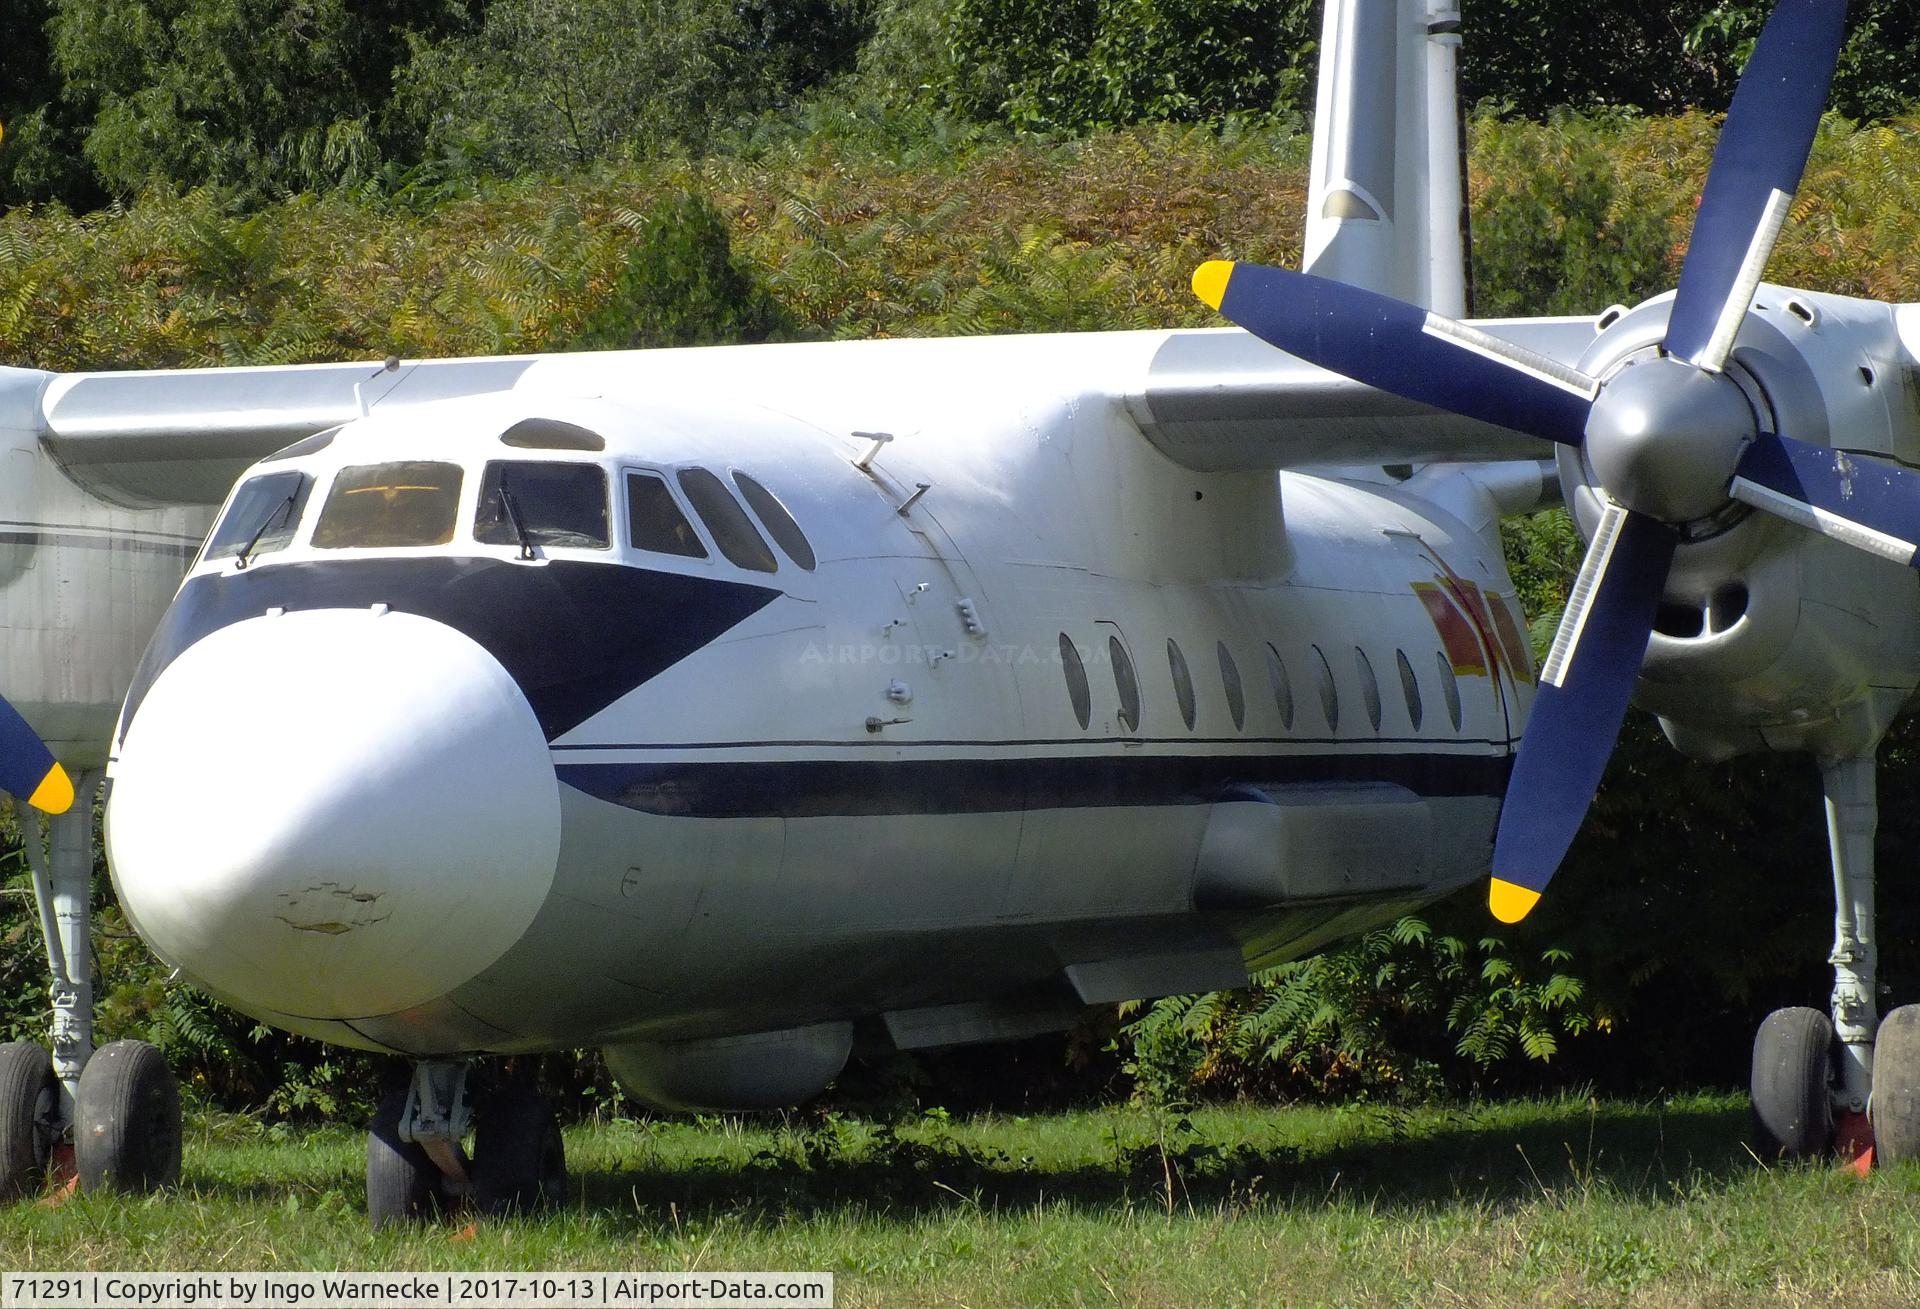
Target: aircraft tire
(1792,1077)
(1895,1108)
(126,1131)
(29,1098)
(519,1160)
(402,1182)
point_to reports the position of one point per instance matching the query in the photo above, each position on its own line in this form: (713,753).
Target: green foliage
(249,93)
(1050,67)
(681,284)
(544,85)
(1559,226)
(1359,1020)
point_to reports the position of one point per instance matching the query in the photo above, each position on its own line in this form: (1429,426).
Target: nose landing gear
(416,1164)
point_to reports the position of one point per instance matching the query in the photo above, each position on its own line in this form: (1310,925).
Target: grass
(1566,1202)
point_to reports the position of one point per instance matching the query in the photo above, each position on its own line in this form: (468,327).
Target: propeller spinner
(1670,440)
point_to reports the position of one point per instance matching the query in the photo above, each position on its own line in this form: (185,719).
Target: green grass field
(1561,1203)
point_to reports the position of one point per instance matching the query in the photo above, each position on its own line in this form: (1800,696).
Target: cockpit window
(552,504)
(264,513)
(551,434)
(398,504)
(776,519)
(728,523)
(654,520)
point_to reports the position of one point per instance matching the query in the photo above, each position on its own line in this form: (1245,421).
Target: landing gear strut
(117,1109)
(416,1163)
(1811,1069)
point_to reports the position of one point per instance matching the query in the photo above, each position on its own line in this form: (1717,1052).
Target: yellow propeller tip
(1210,281)
(54,795)
(1510,902)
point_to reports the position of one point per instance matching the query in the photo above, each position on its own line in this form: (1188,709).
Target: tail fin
(1386,201)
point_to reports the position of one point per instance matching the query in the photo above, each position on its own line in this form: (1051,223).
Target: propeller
(1670,439)
(28,769)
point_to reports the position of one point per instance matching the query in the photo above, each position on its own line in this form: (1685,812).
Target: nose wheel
(417,1164)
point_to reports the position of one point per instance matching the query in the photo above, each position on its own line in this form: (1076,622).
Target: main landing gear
(110,1116)
(416,1162)
(1844,1077)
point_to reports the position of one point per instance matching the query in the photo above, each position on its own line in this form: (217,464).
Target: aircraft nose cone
(333,813)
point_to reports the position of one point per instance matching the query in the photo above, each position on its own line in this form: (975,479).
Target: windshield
(268,507)
(398,504)
(552,503)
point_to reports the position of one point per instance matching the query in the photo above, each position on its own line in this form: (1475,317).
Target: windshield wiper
(513,517)
(246,552)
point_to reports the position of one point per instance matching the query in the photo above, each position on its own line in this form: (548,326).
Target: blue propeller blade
(1756,169)
(27,768)
(1584,688)
(1401,348)
(1868,504)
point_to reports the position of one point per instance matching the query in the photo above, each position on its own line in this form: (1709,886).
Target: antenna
(360,401)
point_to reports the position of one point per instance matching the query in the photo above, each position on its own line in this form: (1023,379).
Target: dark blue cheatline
(575,636)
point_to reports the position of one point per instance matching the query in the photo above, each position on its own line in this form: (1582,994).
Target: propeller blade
(1756,169)
(28,769)
(1864,503)
(1402,349)
(1584,688)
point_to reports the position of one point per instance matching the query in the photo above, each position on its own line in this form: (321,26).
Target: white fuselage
(444,798)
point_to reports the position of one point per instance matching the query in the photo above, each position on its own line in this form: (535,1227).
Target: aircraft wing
(181,436)
(1223,401)
(1212,400)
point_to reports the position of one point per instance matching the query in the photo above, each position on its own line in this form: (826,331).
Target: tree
(681,285)
(257,94)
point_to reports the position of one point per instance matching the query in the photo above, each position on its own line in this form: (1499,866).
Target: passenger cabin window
(262,516)
(1369,686)
(1125,684)
(1282,686)
(1449,687)
(779,523)
(654,520)
(1410,687)
(1329,693)
(726,521)
(399,504)
(1230,679)
(1078,691)
(1182,683)
(533,502)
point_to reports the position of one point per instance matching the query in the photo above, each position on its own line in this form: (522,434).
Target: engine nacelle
(1770,636)
(763,1070)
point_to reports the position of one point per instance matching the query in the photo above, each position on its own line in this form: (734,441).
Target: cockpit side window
(726,521)
(654,520)
(414,502)
(553,503)
(264,513)
(775,518)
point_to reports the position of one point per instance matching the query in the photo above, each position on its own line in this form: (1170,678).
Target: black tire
(1896,1087)
(1792,1085)
(29,1106)
(519,1160)
(402,1183)
(126,1131)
